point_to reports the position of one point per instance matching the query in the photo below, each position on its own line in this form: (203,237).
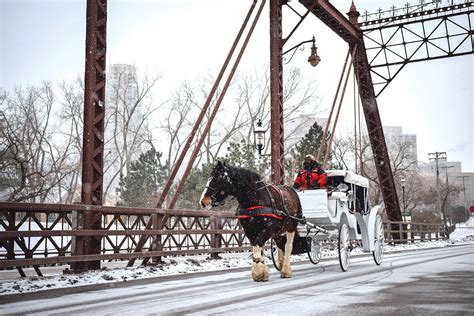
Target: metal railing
(43,234)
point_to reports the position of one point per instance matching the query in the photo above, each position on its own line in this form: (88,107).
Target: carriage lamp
(259,137)
(314,59)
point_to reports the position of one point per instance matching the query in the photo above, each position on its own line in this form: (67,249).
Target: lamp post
(259,138)
(403,180)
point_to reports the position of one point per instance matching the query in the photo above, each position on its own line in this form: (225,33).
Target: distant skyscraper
(124,117)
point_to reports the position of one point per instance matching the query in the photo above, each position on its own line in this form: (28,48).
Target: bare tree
(33,150)
(178,119)
(403,163)
(247,100)
(71,113)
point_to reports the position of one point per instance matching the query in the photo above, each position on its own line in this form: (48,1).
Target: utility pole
(436,156)
(446,199)
(464,188)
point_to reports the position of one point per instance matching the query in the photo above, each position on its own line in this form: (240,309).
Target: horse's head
(218,187)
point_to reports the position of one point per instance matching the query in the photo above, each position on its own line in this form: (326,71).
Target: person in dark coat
(312,176)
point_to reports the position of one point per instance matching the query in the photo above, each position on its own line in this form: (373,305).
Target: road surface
(436,281)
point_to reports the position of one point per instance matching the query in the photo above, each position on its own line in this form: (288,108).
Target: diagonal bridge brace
(350,32)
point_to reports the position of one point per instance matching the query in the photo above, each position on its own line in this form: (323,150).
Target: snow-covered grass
(53,277)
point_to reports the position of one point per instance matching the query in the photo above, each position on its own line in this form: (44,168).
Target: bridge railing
(43,234)
(403,232)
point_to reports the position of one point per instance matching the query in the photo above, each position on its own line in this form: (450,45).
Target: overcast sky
(184,39)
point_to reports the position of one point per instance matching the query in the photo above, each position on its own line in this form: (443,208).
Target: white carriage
(340,216)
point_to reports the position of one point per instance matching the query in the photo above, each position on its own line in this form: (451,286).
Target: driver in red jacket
(312,176)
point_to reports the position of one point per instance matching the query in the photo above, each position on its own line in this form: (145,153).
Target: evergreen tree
(308,145)
(244,155)
(145,175)
(194,186)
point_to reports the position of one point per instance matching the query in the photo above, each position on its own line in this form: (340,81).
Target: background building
(124,116)
(396,141)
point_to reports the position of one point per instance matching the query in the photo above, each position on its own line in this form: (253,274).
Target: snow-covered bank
(464,231)
(53,278)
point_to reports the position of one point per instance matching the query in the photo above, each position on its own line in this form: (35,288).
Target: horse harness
(266,211)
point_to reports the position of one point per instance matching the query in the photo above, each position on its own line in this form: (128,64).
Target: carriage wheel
(343,247)
(379,240)
(315,251)
(274,252)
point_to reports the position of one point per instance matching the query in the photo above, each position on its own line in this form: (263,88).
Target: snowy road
(425,281)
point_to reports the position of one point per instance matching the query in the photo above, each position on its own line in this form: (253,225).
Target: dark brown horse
(265,211)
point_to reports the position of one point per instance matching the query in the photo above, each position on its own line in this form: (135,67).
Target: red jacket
(314,179)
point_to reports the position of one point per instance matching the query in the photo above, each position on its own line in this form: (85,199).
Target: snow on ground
(464,231)
(53,277)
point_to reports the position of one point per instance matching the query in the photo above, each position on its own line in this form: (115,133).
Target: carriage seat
(314,203)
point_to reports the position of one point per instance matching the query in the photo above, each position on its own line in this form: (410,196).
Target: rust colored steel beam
(325,133)
(13,207)
(195,153)
(354,36)
(331,137)
(128,232)
(415,14)
(276,92)
(93,139)
(334,19)
(376,135)
(190,138)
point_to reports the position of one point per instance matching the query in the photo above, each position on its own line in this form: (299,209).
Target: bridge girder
(349,31)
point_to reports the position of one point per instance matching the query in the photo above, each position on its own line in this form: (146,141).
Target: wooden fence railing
(42,234)
(403,232)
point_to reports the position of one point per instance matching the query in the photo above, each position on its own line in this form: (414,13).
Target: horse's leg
(286,268)
(281,258)
(259,269)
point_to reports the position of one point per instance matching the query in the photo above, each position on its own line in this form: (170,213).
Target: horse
(265,211)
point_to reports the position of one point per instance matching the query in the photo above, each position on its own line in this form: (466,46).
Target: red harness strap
(257,211)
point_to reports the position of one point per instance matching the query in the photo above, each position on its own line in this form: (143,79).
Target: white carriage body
(329,211)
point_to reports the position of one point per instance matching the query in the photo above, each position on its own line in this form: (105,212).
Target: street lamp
(403,180)
(259,137)
(313,58)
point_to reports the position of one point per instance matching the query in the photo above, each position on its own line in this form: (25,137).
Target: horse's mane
(245,175)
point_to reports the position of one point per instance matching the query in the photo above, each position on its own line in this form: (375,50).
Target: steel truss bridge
(381,45)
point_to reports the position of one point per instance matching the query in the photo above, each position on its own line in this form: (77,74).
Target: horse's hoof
(262,279)
(259,272)
(286,276)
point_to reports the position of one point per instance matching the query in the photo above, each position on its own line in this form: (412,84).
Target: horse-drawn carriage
(339,216)
(298,222)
